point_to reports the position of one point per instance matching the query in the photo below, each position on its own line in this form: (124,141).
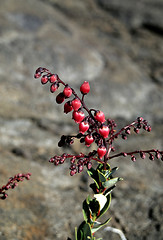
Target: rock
(144,13)
(117,47)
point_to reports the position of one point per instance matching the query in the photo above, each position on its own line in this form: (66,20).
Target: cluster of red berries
(12,183)
(93,126)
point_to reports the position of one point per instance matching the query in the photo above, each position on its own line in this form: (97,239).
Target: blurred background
(118,47)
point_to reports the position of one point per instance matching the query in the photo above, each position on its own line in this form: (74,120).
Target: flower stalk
(96,130)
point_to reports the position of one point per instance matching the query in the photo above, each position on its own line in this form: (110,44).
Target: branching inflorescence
(93,128)
(13,183)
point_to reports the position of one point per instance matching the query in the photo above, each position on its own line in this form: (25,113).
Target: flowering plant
(95,129)
(99,132)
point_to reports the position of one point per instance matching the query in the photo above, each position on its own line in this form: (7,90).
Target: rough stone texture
(118,47)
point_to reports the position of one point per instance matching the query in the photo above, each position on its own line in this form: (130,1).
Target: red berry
(83,126)
(53,78)
(67,91)
(54,87)
(67,107)
(78,116)
(149,129)
(73,172)
(38,72)
(133,158)
(89,140)
(76,104)
(104,131)
(99,116)
(80,168)
(44,79)
(89,165)
(60,98)
(101,151)
(85,88)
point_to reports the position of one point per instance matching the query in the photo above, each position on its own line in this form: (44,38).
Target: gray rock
(117,47)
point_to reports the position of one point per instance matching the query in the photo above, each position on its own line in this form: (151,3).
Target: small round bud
(127,131)
(44,79)
(51,160)
(80,168)
(73,166)
(89,165)
(54,87)
(73,172)
(53,78)
(158,155)
(140,119)
(133,158)
(151,157)
(145,127)
(149,129)
(124,137)
(113,149)
(142,155)
(85,88)
(136,130)
(124,154)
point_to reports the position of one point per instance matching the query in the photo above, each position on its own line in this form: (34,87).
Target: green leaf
(88,199)
(86,211)
(94,187)
(111,182)
(111,172)
(106,206)
(102,177)
(93,174)
(94,207)
(98,225)
(102,199)
(101,167)
(84,231)
(109,190)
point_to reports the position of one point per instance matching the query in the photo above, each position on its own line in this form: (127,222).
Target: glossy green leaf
(102,199)
(94,187)
(86,211)
(98,225)
(93,174)
(101,167)
(111,182)
(109,174)
(84,231)
(106,206)
(109,190)
(102,177)
(94,207)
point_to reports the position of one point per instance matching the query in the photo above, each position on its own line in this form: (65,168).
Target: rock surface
(118,47)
